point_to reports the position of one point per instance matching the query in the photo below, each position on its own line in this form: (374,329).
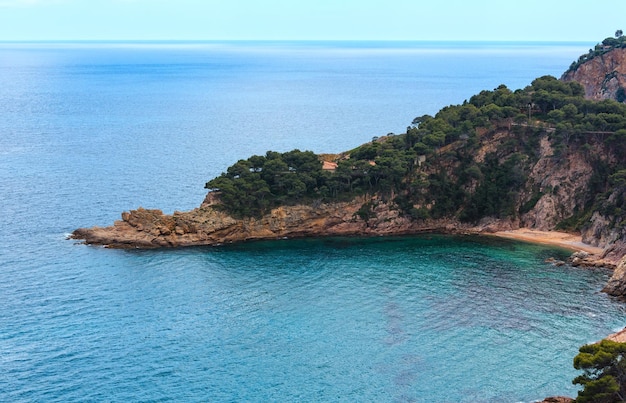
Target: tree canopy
(608,44)
(604,372)
(432,170)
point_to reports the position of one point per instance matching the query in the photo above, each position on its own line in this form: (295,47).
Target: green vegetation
(604,372)
(467,162)
(250,187)
(610,43)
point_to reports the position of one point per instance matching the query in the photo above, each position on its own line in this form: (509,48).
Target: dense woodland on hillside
(431,171)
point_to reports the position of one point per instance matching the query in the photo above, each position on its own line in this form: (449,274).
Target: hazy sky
(525,20)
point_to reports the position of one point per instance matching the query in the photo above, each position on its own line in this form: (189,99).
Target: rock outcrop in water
(208,225)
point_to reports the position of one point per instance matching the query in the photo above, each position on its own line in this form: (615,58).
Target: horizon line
(288,40)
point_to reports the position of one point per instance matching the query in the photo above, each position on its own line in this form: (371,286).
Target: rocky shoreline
(150,229)
(208,225)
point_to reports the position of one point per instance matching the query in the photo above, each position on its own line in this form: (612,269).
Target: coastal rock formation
(617,283)
(603,77)
(559,181)
(208,225)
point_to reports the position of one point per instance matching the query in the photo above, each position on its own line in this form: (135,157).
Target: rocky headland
(209,225)
(560,162)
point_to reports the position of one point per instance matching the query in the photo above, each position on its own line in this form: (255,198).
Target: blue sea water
(88,130)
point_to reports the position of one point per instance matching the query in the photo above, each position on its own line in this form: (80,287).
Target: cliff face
(561,182)
(207,225)
(603,77)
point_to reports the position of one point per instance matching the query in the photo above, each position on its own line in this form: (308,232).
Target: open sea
(88,130)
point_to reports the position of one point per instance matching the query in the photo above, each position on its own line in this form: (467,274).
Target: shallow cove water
(90,130)
(425,318)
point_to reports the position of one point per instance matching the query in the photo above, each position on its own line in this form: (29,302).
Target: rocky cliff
(560,182)
(208,225)
(603,77)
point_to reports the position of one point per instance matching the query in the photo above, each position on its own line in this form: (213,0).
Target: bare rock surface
(616,285)
(603,76)
(208,225)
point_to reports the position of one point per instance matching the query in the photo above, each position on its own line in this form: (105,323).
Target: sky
(437,20)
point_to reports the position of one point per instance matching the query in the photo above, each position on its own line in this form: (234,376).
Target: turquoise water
(90,130)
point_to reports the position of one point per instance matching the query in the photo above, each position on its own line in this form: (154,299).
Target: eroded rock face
(603,76)
(560,181)
(207,225)
(617,283)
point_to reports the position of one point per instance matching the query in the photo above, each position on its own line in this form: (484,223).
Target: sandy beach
(565,240)
(562,239)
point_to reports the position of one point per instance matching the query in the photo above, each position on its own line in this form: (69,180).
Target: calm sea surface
(88,130)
